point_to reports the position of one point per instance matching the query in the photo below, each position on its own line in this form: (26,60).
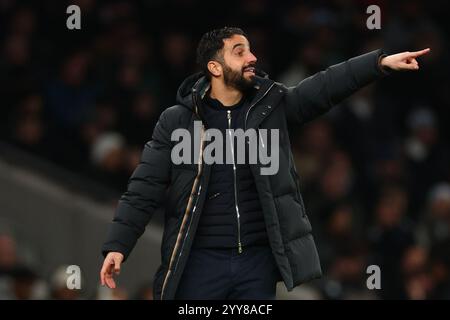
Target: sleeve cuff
(115,247)
(384,70)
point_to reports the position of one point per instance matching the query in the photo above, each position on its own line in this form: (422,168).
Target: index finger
(419,53)
(102,277)
(104,271)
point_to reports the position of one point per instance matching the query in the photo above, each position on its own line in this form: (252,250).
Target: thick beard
(236,79)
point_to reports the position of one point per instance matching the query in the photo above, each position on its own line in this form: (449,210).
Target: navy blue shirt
(218,225)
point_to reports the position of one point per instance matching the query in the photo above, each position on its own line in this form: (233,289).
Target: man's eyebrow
(237,45)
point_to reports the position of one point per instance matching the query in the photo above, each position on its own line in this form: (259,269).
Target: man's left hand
(403,61)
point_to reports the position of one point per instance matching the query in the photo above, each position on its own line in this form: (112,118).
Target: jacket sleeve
(145,192)
(316,95)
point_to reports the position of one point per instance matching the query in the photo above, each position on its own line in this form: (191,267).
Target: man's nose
(252,58)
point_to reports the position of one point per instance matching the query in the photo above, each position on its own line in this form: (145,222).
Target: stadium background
(77,106)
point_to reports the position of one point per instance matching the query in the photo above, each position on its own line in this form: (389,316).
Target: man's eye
(240,53)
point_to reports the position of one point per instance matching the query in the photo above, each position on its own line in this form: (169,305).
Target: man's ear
(215,68)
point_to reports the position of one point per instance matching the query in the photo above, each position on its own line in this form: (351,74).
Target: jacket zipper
(234,183)
(169,272)
(253,104)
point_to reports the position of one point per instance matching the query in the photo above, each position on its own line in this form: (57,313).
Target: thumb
(117,262)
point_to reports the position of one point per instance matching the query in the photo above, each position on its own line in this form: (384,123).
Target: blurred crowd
(19,280)
(375,170)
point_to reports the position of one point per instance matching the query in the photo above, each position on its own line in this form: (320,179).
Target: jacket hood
(186,89)
(198,83)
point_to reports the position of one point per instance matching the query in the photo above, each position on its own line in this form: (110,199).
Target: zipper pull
(214,195)
(240,247)
(261,139)
(229,118)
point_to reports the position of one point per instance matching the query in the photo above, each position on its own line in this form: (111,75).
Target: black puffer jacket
(274,106)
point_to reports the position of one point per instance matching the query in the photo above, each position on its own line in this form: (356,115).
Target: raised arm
(315,95)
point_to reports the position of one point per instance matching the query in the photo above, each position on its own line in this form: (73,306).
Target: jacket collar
(194,88)
(199,84)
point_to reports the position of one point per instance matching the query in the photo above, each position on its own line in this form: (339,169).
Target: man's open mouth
(249,69)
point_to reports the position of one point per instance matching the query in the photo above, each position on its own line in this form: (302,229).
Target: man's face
(238,65)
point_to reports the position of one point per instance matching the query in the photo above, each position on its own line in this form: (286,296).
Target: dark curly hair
(211,43)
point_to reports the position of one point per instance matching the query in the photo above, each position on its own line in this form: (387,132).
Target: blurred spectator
(334,186)
(427,158)
(17,279)
(435,224)
(58,286)
(178,61)
(8,253)
(133,158)
(28,129)
(343,257)
(145,292)
(8,261)
(104,293)
(69,96)
(417,279)
(107,154)
(140,117)
(389,238)
(26,284)
(440,270)
(311,149)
